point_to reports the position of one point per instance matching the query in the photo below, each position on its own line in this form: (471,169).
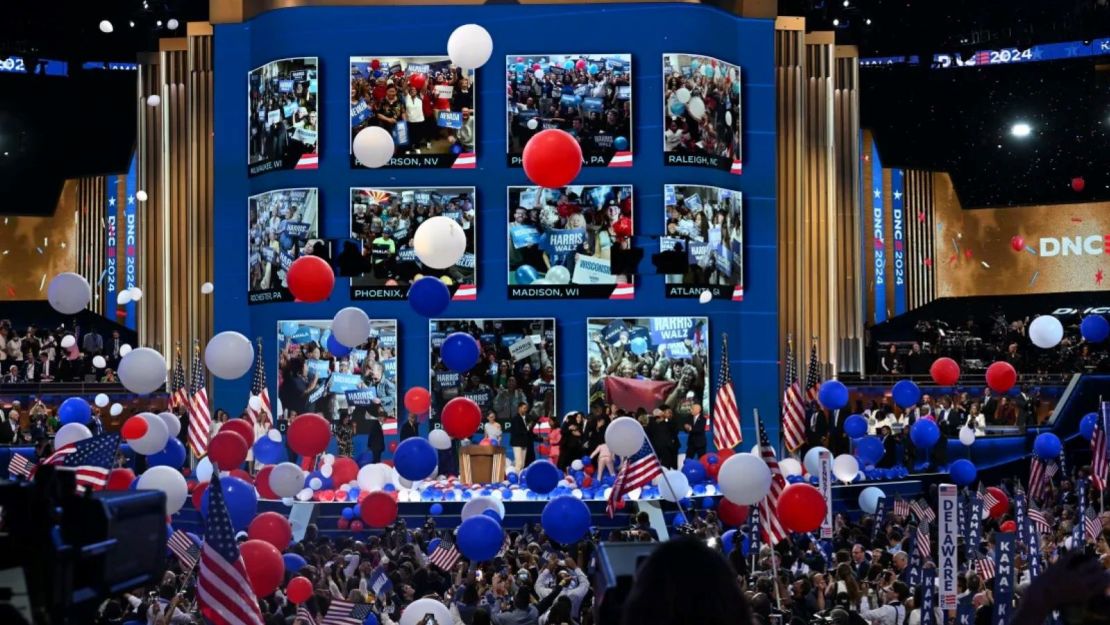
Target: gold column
(201,138)
(920,238)
(790,123)
(91,209)
(848,300)
(154,256)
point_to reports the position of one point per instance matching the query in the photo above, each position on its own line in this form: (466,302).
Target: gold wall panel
(790,123)
(848,293)
(36,248)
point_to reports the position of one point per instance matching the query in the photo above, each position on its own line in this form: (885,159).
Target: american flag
(259,390)
(91,459)
(445,556)
(1039,519)
(726,416)
(985,568)
(773,530)
(813,375)
(923,511)
(180,394)
(346,613)
(1040,474)
(989,500)
(20,465)
(305,615)
(901,507)
(200,419)
(1092,525)
(793,413)
(1099,461)
(185,549)
(636,471)
(924,541)
(224,593)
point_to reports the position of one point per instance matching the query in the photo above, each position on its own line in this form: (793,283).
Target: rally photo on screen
(380,258)
(282,226)
(425,102)
(283,118)
(568,242)
(515,375)
(353,388)
(701,112)
(703,242)
(587,95)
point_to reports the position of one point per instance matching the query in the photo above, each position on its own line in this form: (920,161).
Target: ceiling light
(868,21)
(836,22)
(158,23)
(172,24)
(131,23)
(1021,130)
(106,26)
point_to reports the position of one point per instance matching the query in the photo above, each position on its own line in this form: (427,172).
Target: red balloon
(378,510)
(262,483)
(724,454)
(341,495)
(243,475)
(120,479)
(198,495)
(945,371)
(623,227)
(711,468)
(731,514)
(309,434)
(264,565)
(1001,376)
(1078,184)
(242,427)
(418,400)
(227,450)
(375,64)
(272,528)
(325,495)
(580,64)
(418,81)
(1008,526)
(356,526)
(310,279)
(1017,242)
(461,417)
(552,158)
(999,509)
(801,508)
(536,66)
(343,524)
(343,470)
(299,589)
(134,427)
(589,470)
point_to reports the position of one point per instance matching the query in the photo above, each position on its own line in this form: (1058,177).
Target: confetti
(103,273)
(1034,278)
(1029,248)
(956,245)
(928,262)
(1076,220)
(46,241)
(42,282)
(11,291)
(920,216)
(959,235)
(952,258)
(39,250)
(967,254)
(63,245)
(984,264)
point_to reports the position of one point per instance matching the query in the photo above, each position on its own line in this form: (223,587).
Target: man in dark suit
(949,418)
(695,433)
(660,435)
(817,427)
(410,427)
(9,428)
(890,449)
(988,405)
(860,565)
(96,426)
(520,436)
(838,440)
(1026,407)
(375,439)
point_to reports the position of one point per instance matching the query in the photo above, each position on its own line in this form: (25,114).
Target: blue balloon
(268,451)
(906,394)
(436,509)
(479,538)
(352,495)
(325,482)
(1094,328)
(241,500)
(707,71)
(347,513)
(542,476)
(593,69)
(460,352)
(963,472)
(429,296)
(526,274)
(1047,446)
(370,619)
(1087,425)
(924,434)
(389,488)
(432,544)
(833,394)
(173,455)
(586,461)
(727,541)
(565,519)
(568,65)
(74,410)
(335,348)
(491,513)
(513,478)
(293,563)
(677,108)
(621,143)
(855,426)
(415,458)
(708,503)
(456,148)
(694,471)
(638,346)
(869,450)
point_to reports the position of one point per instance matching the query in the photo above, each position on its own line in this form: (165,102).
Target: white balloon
(141,195)
(845,467)
(373,147)
(533,124)
(728,118)
(172,24)
(168,480)
(696,108)
(558,275)
(478,505)
(812,461)
(274,434)
(106,26)
(69,293)
(1046,331)
(203,470)
(155,438)
(101,400)
(315,483)
(624,436)
(869,499)
(705,297)
(99,362)
(229,355)
(351,326)
(469,47)
(417,612)
(142,370)
(207,288)
(71,433)
(542,281)
(967,436)
(116,410)
(255,403)
(373,477)
(123,298)
(673,485)
(683,95)
(153,100)
(439,242)
(124,350)
(173,424)
(286,479)
(68,341)
(790,466)
(744,479)
(326,470)
(136,293)
(304,494)
(327,460)
(576,465)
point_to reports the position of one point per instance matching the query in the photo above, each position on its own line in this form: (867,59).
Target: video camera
(614,571)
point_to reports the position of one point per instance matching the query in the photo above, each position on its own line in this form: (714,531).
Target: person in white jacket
(569,580)
(414,115)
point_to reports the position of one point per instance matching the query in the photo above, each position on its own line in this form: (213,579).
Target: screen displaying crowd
(567,235)
(283,118)
(426,103)
(589,96)
(34,355)
(707,223)
(384,222)
(701,109)
(282,226)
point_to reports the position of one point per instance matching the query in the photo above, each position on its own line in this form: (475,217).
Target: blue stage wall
(647,31)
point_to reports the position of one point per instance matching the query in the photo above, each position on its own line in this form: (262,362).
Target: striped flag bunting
(1092,525)
(1038,518)
(200,419)
(985,568)
(901,507)
(259,390)
(91,459)
(924,540)
(305,615)
(813,374)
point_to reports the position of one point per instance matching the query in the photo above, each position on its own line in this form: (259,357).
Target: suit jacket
(989,406)
(7,433)
(375,437)
(696,438)
(92,342)
(95,426)
(817,427)
(519,436)
(409,430)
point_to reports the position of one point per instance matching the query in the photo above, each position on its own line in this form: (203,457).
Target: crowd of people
(35,355)
(702,107)
(281,226)
(708,223)
(283,113)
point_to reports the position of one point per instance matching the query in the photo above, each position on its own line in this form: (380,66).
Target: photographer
(562,577)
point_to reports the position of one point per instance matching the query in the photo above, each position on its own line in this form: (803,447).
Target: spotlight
(836,22)
(131,23)
(158,23)
(846,3)
(868,22)
(1021,130)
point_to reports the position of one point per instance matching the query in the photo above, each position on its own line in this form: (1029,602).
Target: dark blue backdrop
(647,31)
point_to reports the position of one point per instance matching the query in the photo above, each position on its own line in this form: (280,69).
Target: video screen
(283,117)
(701,112)
(706,226)
(282,226)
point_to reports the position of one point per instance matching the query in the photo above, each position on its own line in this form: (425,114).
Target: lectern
(481,464)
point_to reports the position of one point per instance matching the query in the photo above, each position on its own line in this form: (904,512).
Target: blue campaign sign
(321,368)
(640,332)
(670,329)
(417,68)
(569,100)
(487,338)
(286,260)
(361,397)
(296,229)
(285,86)
(523,236)
(360,112)
(289,109)
(698,253)
(467,261)
(343,382)
(269,254)
(389,366)
(436,339)
(593,105)
(449,119)
(406,254)
(509,339)
(300,336)
(612,331)
(563,241)
(447,380)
